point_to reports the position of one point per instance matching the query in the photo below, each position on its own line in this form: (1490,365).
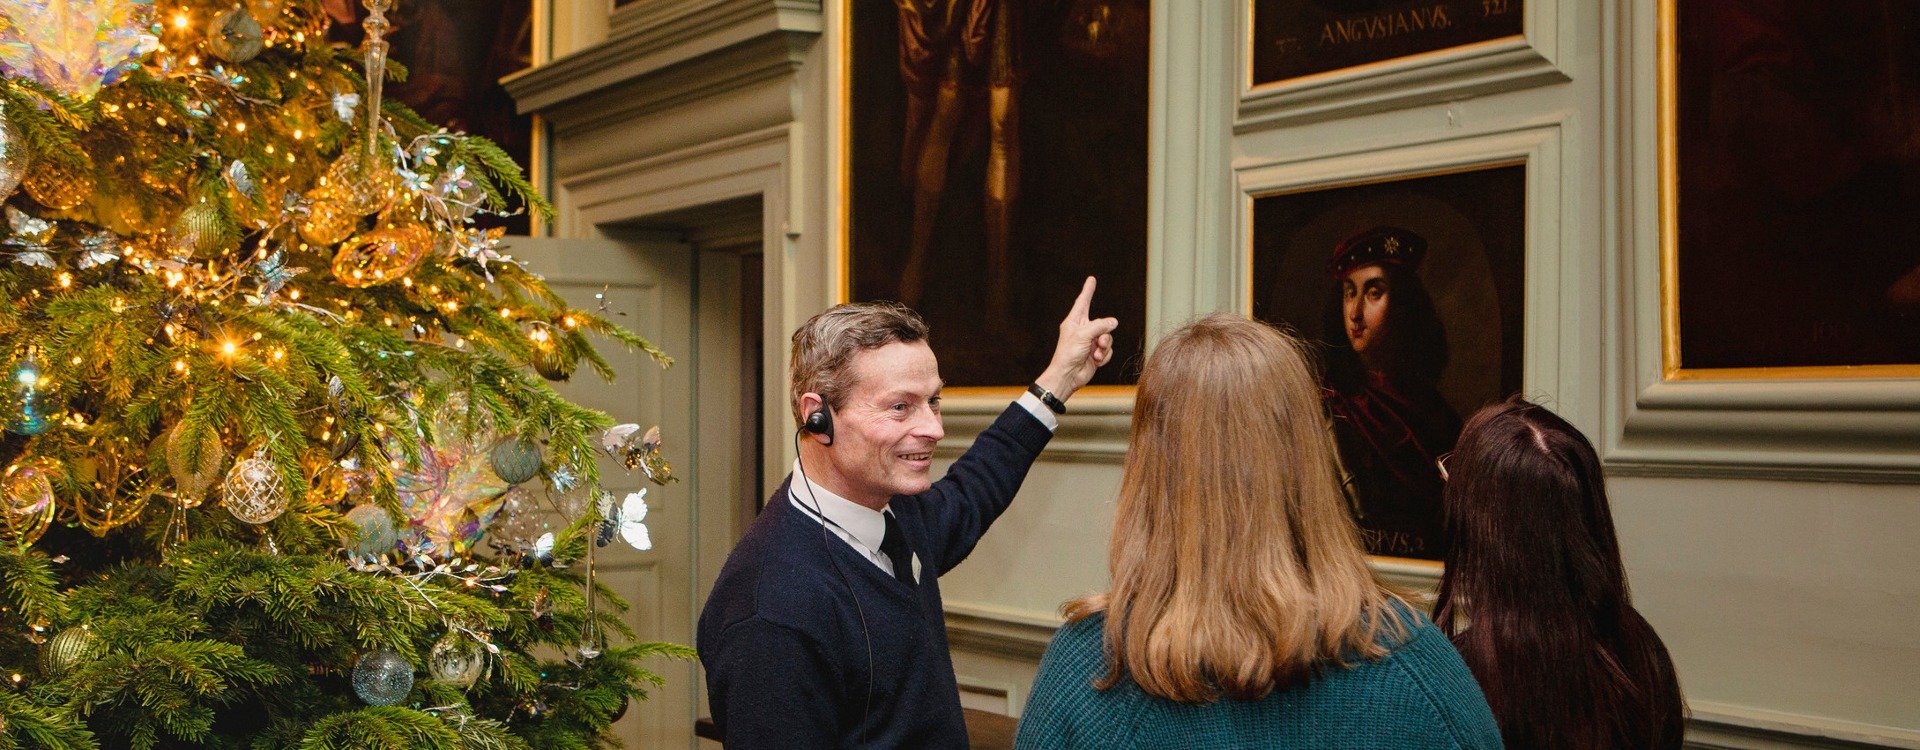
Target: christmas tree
(281,445)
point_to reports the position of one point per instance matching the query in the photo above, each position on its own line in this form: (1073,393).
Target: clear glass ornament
(457,659)
(13,155)
(26,501)
(25,414)
(236,37)
(382,677)
(382,255)
(254,492)
(194,471)
(328,221)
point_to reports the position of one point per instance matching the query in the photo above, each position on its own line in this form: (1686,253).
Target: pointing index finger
(1084,302)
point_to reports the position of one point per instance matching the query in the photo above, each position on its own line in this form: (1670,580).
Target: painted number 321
(1494,7)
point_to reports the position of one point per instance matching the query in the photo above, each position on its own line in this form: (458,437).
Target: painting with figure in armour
(1294,38)
(1412,290)
(1792,178)
(996,154)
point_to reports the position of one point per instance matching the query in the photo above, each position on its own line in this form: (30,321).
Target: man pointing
(825,628)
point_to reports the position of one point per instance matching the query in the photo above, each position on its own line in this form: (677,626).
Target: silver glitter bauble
(382,677)
(457,660)
(254,491)
(67,650)
(377,534)
(13,155)
(236,37)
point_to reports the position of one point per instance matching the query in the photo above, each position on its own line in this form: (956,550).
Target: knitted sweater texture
(1419,695)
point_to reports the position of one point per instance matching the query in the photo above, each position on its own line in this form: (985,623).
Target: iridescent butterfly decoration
(638,450)
(29,238)
(628,520)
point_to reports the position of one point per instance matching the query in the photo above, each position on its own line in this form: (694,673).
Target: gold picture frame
(1669,124)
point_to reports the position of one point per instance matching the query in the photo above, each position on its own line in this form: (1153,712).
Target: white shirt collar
(864,523)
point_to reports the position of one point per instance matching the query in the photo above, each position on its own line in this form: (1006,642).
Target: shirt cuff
(1039,411)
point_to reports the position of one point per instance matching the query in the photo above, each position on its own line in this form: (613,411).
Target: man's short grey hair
(824,346)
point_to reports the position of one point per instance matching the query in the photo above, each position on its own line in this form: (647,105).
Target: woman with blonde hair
(1242,612)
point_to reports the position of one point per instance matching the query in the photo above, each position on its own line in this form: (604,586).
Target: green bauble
(67,650)
(200,231)
(516,460)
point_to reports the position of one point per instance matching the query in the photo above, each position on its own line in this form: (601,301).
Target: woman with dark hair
(1383,391)
(1242,612)
(1535,594)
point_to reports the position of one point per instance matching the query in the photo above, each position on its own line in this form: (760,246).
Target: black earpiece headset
(820,422)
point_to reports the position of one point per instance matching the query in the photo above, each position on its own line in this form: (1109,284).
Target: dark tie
(896,549)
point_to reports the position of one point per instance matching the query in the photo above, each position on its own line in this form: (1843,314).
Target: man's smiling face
(884,434)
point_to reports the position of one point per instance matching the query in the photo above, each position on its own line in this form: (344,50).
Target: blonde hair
(1236,568)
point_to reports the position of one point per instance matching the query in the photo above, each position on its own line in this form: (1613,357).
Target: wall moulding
(680,50)
(1508,64)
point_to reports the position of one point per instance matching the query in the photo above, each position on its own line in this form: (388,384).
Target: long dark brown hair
(1536,596)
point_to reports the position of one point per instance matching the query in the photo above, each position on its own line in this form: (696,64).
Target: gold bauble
(26,501)
(266,10)
(193,476)
(201,231)
(59,185)
(382,255)
(67,650)
(554,364)
(328,220)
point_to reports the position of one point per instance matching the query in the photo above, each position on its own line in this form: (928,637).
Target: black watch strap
(1046,397)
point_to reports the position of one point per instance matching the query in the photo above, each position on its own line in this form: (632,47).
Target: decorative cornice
(678,50)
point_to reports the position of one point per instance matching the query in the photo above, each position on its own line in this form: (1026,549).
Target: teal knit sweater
(1420,695)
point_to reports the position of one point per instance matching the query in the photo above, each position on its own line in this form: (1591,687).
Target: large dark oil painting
(997,155)
(1293,38)
(1412,290)
(1798,201)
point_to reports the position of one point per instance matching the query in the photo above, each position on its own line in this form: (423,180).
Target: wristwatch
(1046,397)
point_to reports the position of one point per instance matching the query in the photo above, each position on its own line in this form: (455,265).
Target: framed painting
(995,155)
(1790,170)
(1296,38)
(1412,289)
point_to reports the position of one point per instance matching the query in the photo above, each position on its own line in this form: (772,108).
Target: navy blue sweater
(788,659)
